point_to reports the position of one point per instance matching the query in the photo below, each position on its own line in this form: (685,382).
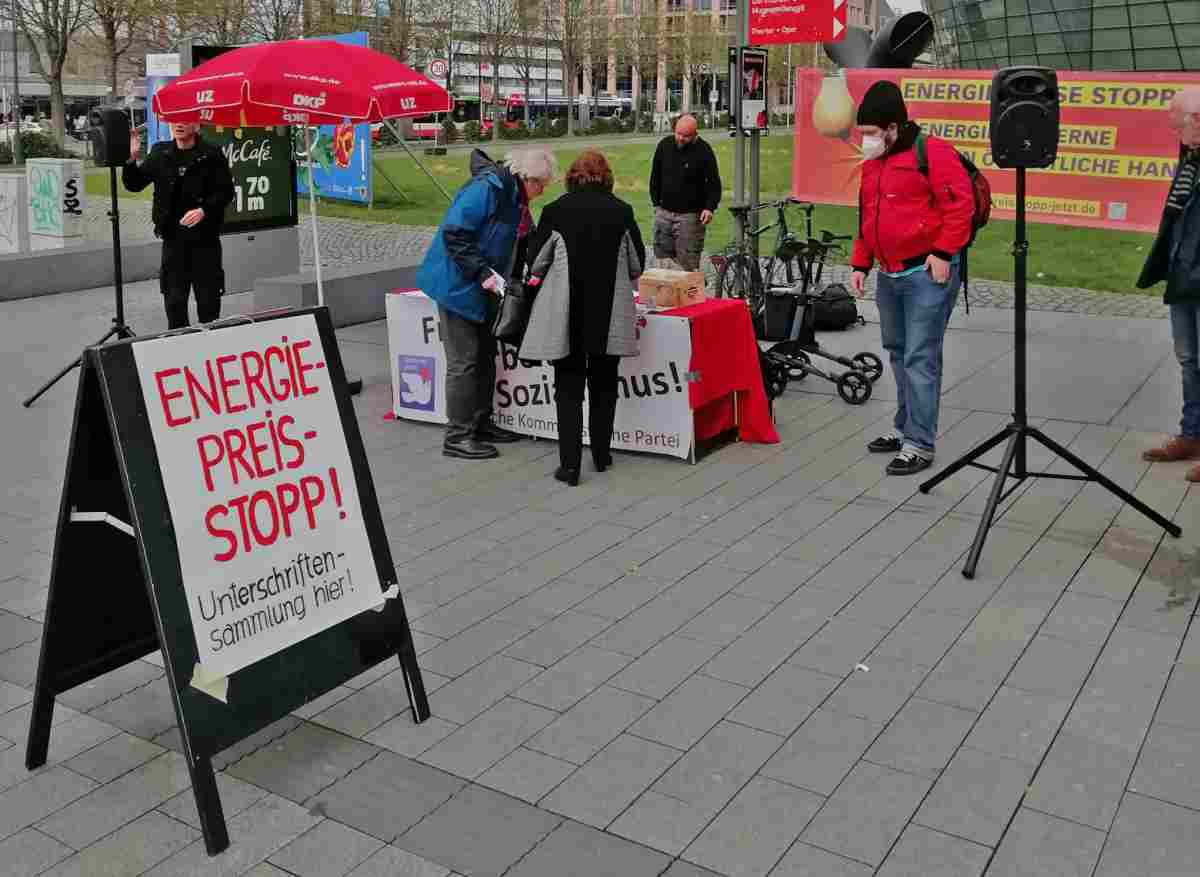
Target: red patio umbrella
(300,82)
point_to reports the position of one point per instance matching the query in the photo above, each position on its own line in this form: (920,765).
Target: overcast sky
(905,5)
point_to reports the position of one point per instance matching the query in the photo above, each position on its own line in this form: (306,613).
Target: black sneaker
(886,444)
(489,432)
(469,449)
(908,463)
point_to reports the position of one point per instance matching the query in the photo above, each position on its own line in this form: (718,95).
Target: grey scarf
(1185,182)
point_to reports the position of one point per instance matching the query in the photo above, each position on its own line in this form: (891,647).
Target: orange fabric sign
(1116,152)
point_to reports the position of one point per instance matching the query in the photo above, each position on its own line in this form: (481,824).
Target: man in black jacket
(1175,258)
(192,188)
(685,189)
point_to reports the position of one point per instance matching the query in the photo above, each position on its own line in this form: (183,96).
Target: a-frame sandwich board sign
(218,505)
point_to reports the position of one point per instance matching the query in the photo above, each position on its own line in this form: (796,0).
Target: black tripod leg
(1111,486)
(966,460)
(62,374)
(989,511)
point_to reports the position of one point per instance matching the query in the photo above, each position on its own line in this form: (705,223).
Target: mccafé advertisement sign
(1116,154)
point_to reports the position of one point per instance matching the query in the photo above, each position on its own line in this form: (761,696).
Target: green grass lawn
(1059,255)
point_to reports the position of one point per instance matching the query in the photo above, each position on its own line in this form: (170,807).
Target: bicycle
(737,269)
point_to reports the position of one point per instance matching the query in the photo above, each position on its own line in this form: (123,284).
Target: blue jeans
(913,314)
(1185,327)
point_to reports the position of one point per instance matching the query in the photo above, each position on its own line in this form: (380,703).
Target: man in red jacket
(913,223)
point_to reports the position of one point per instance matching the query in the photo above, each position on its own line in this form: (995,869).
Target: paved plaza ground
(764,664)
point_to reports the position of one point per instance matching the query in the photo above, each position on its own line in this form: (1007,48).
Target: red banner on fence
(1116,153)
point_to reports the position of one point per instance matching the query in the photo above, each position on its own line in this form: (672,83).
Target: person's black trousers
(191,265)
(599,373)
(470,373)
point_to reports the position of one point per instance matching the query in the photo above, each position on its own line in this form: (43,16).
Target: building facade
(1143,35)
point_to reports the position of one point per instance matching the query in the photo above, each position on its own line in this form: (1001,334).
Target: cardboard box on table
(664,288)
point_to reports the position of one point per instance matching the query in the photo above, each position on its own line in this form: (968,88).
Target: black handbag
(512,316)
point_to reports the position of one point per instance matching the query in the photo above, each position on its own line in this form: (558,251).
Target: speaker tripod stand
(120,329)
(1014,462)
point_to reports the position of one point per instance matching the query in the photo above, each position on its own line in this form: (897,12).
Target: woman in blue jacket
(479,242)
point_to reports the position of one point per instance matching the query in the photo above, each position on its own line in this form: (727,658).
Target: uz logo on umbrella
(204,97)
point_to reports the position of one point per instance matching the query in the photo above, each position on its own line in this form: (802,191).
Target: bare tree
(637,44)
(271,20)
(700,50)
(52,26)
(117,23)
(497,24)
(528,54)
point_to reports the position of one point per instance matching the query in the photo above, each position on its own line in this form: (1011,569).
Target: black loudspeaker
(1024,122)
(110,136)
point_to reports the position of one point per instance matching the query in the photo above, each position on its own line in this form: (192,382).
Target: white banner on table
(272,543)
(653,413)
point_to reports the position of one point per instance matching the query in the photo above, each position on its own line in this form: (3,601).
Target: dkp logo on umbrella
(312,102)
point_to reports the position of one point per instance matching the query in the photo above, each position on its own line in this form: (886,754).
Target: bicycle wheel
(744,269)
(777,271)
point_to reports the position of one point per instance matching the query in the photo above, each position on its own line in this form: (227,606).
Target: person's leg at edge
(570,375)
(461,339)
(602,406)
(174,281)
(889,299)
(953,285)
(1185,329)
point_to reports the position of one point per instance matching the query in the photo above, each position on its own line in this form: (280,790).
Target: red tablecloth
(725,361)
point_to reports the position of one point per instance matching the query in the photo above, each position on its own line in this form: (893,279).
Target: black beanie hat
(882,105)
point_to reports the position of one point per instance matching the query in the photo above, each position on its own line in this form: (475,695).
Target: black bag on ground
(834,309)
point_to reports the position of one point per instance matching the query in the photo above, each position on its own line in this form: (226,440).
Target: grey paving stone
(752,833)
(254,835)
(393,862)
(1053,666)
(878,692)
(30,852)
(1151,837)
(711,773)
(785,700)
(1082,618)
(266,869)
(839,647)
(1081,780)
(112,758)
(144,712)
(501,831)
(471,647)
(527,775)
(763,648)
(925,853)
(591,724)
(110,806)
(68,737)
(328,849)
(863,818)
(804,860)
(405,737)
(14,724)
(473,692)
(664,667)
(552,642)
(16,630)
(304,761)
(599,792)
(12,696)
(680,868)
(921,639)
(662,822)
(1019,725)
(366,709)
(485,740)
(1113,712)
(574,850)
(43,794)
(1039,844)
(110,686)
(573,678)
(132,849)
(623,596)
(822,752)
(1180,703)
(1166,769)
(725,620)
(236,797)
(386,796)
(976,796)
(328,699)
(689,712)
(638,632)
(969,676)
(776,580)
(922,738)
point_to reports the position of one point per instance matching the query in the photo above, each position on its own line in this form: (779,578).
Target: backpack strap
(922,150)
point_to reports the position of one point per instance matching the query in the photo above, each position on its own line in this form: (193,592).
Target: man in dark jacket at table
(1175,258)
(192,187)
(685,189)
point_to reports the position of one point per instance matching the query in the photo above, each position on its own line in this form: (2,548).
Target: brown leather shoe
(1175,448)
(1193,475)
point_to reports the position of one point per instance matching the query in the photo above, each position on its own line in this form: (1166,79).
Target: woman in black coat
(587,254)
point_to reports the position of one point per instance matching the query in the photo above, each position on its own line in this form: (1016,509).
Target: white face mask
(873,146)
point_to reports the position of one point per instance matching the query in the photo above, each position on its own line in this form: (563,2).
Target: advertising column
(56,202)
